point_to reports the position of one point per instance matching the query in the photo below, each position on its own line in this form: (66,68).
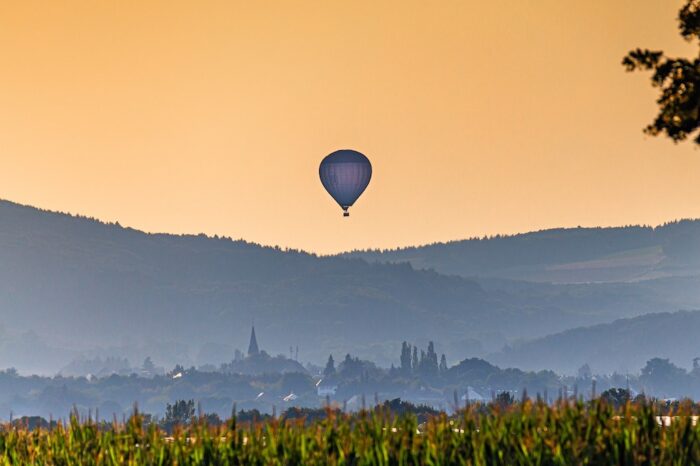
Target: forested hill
(623,345)
(72,286)
(572,255)
(77,283)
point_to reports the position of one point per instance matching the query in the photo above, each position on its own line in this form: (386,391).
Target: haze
(479,117)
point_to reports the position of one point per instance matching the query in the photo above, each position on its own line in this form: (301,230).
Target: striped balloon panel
(345,181)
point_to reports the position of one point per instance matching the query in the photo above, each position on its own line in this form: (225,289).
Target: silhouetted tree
(178,369)
(616,396)
(677,78)
(405,358)
(212,419)
(443,363)
(664,377)
(431,360)
(148,367)
(330,367)
(504,399)
(428,364)
(351,367)
(414,359)
(696,367)
(584,372)
(180,412)
(399,407)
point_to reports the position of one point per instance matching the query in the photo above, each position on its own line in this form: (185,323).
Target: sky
(479,117)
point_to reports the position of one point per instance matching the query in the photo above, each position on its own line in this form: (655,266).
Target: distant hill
(574,255)
(624,345)
(78,283)
(73,287)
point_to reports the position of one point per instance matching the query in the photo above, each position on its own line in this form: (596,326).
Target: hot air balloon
(345,174)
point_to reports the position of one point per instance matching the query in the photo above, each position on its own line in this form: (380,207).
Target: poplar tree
(330,367)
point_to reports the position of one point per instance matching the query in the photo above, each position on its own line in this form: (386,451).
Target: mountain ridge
(562,255)
(77,286)
(623,345)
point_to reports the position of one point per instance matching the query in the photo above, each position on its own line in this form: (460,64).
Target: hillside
(623,345)
(77,287)
(575,255)
(78,283)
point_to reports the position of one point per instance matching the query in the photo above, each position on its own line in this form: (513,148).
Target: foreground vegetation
(521,433)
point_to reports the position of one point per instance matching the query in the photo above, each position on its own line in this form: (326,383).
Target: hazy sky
(479,117)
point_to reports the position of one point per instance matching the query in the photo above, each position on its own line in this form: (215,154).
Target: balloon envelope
(345,174)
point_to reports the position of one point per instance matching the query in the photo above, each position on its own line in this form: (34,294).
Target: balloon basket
(346,214)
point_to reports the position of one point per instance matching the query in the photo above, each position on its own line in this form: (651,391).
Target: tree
(414,359)
(662,369)
(178,369)
(696,367)
(405,358)
(443,363)
(330,367)
(616,396)
(428,364)
(180,412)
(678,80)
(584,372)
(664,377)
(212,419)
(431,359)
(504,399)
(148,367)
(351,367)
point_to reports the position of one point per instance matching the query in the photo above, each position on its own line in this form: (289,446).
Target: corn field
(528,433)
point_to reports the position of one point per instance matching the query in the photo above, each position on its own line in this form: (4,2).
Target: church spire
(253,346)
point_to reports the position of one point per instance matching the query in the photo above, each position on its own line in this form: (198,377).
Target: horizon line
(346,251)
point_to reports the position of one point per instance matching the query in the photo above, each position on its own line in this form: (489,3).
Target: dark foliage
(616,396)
(180,412)
(678,80)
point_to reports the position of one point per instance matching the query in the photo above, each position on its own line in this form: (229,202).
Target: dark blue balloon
(345,174)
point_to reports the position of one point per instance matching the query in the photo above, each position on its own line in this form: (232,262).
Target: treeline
(479,256)
(426,365)
(421,378)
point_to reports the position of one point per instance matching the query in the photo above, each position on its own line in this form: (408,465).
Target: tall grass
(528,433)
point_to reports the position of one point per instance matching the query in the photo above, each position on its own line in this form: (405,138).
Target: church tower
(253,346)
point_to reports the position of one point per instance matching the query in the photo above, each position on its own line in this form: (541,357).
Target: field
(526,433)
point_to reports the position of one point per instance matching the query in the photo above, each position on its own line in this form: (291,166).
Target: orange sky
(480,117)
